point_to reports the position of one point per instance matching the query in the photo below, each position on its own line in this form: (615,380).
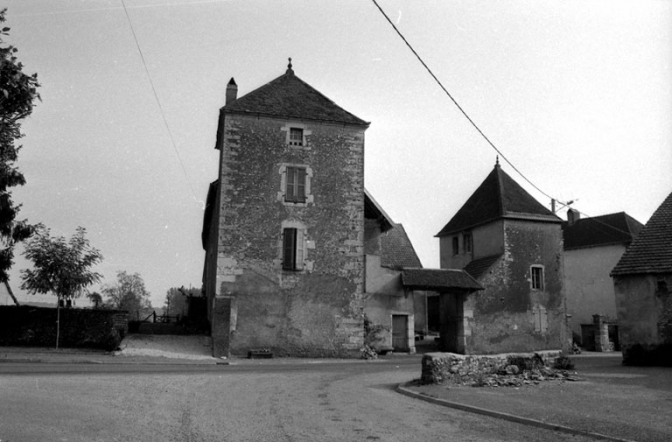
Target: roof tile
(651,251)
(290,97)
(498,196)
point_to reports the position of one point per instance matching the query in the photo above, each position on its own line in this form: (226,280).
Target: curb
(98,362)
(508,417)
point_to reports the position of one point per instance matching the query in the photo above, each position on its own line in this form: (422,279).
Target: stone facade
(315,307)
(509,315)
(644,308)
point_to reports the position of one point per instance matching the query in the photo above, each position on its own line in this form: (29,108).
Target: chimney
(573,216)
(231,91)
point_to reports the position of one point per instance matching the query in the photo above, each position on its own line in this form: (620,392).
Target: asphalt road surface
(352,401)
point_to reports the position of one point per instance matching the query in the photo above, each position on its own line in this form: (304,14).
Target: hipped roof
(615,228)
(290,97)
(651,251)
(498,196)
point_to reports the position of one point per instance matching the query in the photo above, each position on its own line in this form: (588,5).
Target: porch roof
(439,280)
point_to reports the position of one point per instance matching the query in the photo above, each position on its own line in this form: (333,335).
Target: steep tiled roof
(396,250)
(499,196)
(615,228)
(290,97)
(651,251)
(438,279)
(373,210)
(478,267)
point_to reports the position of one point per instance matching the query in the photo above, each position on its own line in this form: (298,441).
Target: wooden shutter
(298,247)
(300,185)
(290,190)
(288,249)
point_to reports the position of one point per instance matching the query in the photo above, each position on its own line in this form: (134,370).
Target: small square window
(537,273)
(456,245)
(295,136)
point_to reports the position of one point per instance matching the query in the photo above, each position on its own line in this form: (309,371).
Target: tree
(177,300)
(18,91)
(61,267)
(129,293)
(95,298)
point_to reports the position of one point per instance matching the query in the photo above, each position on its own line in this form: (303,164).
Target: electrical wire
(158,102)
(474,124)
(455,101)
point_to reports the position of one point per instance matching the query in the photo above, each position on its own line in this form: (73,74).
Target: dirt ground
(169,346)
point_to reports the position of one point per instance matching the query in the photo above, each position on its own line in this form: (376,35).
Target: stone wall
(315,311)
(644,306)
(509,316)
(441,368)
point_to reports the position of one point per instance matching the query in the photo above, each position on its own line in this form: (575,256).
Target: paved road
(310,402)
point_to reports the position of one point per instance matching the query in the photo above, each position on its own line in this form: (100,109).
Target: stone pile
(506,370)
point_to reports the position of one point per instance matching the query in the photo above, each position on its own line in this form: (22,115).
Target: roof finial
(497,161)
(289,66)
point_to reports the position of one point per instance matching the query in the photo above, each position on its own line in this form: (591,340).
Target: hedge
(80,328)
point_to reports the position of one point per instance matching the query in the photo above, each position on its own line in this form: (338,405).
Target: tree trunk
(9,290)
(58,320)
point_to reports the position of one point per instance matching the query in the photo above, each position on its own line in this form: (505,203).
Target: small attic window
(295,136)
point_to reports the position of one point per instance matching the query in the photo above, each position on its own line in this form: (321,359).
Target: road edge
(506,416)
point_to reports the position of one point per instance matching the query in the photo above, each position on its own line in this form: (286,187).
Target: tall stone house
(642,279)
(592,248)
(297,252)
(512,246)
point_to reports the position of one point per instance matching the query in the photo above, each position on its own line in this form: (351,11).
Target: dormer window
(295,136)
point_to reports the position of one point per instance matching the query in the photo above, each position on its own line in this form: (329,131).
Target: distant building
(592,247)
(512,246)
(642,282)
(387,303)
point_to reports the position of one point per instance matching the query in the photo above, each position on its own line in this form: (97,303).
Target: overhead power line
(455,101)
(158,102)
(474,124)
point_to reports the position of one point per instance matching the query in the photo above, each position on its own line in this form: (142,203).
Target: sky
(576,95)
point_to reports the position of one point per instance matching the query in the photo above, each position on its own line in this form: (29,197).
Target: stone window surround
(287,129)
(306,244)
(283,185)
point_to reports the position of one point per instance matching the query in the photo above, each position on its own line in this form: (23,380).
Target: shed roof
(651,251)
(478,267)
(615,228)
(438,280)
(290,97)
(498,196)
(373,210)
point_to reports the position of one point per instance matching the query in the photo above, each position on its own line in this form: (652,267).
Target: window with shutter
(295,190)
(292,249)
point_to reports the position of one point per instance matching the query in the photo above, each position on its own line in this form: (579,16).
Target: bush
(563,363)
